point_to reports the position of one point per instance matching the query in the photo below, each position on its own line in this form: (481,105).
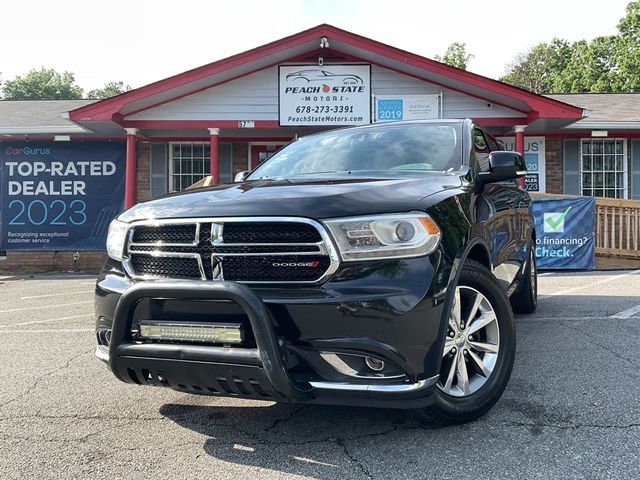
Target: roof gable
(254,97)
(305,45)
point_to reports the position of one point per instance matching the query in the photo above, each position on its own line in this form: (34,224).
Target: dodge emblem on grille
(313,264)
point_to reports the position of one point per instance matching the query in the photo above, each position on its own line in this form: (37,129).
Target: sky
(142,41)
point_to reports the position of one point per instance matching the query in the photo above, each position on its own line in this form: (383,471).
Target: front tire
(479,350)
(525,299)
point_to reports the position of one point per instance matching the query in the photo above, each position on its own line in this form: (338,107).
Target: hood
(317,198)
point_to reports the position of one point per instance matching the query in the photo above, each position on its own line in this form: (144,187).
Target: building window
(604,167)
(189,163)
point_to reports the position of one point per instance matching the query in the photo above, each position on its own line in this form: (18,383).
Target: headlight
(385,236)
(115,239)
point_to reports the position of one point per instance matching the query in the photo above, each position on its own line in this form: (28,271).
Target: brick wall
(143,173)
(553,164)
(19,262)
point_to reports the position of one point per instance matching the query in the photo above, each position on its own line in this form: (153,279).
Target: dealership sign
(59,195)
(534,158)
(565,232)
(407,107)
(324,95)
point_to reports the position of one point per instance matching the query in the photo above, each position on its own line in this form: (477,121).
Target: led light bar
(191,332)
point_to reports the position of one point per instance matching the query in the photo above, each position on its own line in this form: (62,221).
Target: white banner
(534,158)
(407,107)
(324,95)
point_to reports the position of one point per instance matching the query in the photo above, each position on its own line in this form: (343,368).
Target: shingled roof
(604,107)
(25,117)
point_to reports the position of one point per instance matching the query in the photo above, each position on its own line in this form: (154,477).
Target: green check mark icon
(555,223)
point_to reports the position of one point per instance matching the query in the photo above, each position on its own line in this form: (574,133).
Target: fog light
(104,336)
(191,332)
(374,364)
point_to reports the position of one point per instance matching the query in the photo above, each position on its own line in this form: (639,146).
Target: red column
(519,129)
(130,170)
(214,159)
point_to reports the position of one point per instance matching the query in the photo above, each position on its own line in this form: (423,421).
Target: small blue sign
(531,160)
(389,109)
(59,195)
(565,237)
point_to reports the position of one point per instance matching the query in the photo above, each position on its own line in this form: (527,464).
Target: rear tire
(525,299)
(479,350)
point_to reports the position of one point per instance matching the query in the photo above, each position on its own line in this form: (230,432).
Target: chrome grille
(167,267)
(271,232)
(170,234)
(247,250)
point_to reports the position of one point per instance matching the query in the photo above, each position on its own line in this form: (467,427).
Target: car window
(499,143)
(479,140)
(388,148)
(494,145)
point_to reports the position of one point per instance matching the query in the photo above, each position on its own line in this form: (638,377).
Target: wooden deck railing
(617,226)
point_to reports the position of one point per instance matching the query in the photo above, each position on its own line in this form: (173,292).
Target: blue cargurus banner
(59,195)
(565,232)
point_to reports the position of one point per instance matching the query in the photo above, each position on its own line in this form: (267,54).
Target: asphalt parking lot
(572,409)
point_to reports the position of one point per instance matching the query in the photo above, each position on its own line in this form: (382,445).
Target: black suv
(369,266)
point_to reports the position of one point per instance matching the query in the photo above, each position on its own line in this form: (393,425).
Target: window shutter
(158,170)
(634,164)
(571,167)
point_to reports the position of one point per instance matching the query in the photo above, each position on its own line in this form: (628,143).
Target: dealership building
(69,166)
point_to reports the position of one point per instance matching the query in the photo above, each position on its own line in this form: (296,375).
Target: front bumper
(339,317)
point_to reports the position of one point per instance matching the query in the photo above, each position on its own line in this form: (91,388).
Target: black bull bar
(269,357)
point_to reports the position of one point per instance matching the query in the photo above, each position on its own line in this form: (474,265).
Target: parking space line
(36,322)
(534,318)
(628,313)
(47,320)
(53,330)
(55,294)
(46,306)
(588,285)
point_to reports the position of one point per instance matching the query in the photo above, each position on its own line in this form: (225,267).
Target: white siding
(456,105)
(255,97)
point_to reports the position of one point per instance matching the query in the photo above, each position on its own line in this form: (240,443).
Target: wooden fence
(617,226)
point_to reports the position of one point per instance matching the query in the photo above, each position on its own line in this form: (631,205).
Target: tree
(627,54)
(604,64)
(538,68)
(43,84)
(110,89)
(591,68)
(456,55)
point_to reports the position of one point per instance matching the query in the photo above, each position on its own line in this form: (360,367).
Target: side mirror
(503,166)
(241,176)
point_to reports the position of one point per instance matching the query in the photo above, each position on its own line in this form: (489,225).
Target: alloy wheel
(472,345)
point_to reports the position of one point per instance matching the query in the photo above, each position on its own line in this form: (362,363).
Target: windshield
(388,148)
